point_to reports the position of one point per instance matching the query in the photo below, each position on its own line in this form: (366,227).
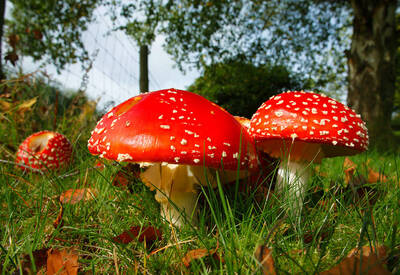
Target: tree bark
(144,69)
(371,63)
(2,15)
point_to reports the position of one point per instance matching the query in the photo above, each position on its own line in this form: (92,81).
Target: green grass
(331,224)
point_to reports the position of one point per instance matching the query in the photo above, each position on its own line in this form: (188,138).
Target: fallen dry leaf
(58,221)
(120,180)
(374,177)
(39,258)
(145,233)
(349,169)
(73,196)
(27,104)
(264,255)
(365,261)
(361,189)
(62,262)
(200,253)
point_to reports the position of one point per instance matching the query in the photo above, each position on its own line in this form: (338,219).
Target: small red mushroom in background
(182,139)
(44,150)
(303,127)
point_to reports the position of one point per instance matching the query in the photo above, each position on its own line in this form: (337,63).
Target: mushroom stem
(292,180)
(176,189)
(177,205)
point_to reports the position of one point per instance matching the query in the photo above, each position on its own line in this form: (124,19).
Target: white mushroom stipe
(292,178)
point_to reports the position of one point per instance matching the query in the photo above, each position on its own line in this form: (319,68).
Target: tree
(242,87)
(372,66)
(308,36)
(49,31)
(143,18)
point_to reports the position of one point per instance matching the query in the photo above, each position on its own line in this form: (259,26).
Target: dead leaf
(120,180)
(349,169)
(374,177)
(365,261)
(200,253)
(26,105)
(62,262)
(5,105)
(58,221)
(264,255)
(140,233)
(39,258)
(73,196)
(12,57)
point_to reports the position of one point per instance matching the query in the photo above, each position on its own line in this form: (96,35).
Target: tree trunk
(144,69)
(2,14)
(371,63)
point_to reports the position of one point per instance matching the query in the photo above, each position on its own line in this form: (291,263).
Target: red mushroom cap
(245,122)
(45,150)
(173,126)
(307,117)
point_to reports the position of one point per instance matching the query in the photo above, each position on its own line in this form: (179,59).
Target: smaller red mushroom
(303,127)
(44,150)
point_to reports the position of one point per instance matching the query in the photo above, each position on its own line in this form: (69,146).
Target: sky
(114,76)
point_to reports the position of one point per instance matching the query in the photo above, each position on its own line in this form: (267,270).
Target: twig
(168,246)
(115,261)
(21,165)
(76,172)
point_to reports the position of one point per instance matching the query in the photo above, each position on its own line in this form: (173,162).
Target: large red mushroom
(44,150)
(303,127)
(177,135)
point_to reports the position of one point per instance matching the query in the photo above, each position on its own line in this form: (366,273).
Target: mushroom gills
(176,189)
(39,142)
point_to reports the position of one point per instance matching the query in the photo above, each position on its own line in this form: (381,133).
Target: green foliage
(310,36)
(51,30)
(140,19)
(241,87)
(53,109)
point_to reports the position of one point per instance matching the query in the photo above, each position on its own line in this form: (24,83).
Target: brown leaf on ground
(120,180)
(374,177)
(73,196)
(264,255)
(26,105)
(349,169)
(62,262)
(361,189)
(365,261)
(145,233)
(39,258)
(200,253)
(58,221)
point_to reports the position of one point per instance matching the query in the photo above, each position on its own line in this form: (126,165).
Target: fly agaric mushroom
(300,128)
(44,150)
(177,134)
